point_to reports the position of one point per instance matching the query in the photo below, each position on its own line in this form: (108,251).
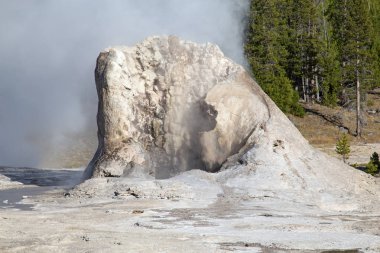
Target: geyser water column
(167,105)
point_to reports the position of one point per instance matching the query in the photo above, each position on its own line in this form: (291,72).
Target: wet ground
(36,182)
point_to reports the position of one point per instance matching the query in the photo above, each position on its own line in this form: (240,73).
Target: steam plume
(48,51)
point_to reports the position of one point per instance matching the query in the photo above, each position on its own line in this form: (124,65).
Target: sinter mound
(168,106)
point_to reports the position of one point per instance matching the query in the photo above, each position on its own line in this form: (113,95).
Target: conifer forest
(315,51)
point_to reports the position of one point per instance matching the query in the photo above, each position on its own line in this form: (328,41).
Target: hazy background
(48,50)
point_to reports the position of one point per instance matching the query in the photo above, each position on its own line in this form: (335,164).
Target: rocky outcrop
(168,106)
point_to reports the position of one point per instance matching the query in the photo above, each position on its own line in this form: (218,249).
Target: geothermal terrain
(192,157)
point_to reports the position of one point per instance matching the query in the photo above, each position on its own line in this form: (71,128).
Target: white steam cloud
(48,50)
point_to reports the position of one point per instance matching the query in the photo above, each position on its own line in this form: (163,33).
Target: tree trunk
(324,24)
(303,88)
(307,85)
(358,123)
(317,88)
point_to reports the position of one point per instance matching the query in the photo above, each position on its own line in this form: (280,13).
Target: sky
(48,51)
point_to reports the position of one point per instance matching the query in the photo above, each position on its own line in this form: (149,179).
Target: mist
(48,51)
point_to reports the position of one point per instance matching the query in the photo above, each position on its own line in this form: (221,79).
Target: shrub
(371,168)
(375,159)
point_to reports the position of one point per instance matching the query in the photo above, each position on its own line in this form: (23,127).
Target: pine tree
(322,50)
(266,53)
(375,160)
(353,33)
(328,59)
(375,15)
(305,46)
(343,147)
(330,73)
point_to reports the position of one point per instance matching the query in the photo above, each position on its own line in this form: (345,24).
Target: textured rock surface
(168,105)
(172,105)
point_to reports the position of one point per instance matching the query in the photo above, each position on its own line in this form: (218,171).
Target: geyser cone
(167,105)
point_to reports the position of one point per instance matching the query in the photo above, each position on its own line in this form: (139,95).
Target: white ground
(190,213)
(6,183)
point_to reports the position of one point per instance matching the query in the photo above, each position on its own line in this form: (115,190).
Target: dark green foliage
(328,60)
(374,10)
(266,53)
(314,49)
(330,76)
(354,35)
(373,167)
(304,46)
(375,159)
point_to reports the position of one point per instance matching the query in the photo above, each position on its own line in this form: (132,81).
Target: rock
(167,106)
(372,111)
